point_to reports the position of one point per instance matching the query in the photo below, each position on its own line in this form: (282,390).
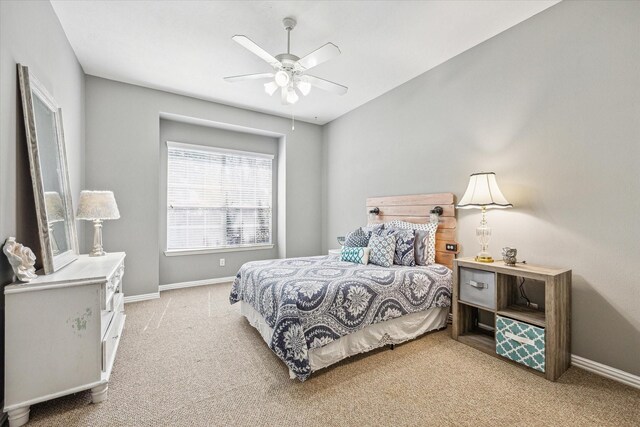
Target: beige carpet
(190,359)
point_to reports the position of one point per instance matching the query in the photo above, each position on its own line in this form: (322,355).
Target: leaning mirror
(49,175)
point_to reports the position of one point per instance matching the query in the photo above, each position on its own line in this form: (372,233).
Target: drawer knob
(478,285)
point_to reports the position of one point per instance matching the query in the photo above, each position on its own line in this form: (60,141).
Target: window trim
(203,251)
(233,248)
(196,147)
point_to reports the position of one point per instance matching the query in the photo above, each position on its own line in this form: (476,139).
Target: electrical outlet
(221,262)
(451,247)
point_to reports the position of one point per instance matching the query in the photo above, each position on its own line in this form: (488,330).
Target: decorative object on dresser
(49,175)
(97,206)
(509,256)
(62,332)
(21,258)
(538,339)
(483,193)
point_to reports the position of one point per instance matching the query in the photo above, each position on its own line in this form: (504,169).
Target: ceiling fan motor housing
(287,60)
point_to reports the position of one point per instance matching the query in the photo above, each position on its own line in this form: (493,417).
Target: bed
(315,311)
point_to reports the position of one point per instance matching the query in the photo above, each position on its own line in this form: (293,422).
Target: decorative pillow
(421,246)
(425,240)
(404,254)
(357,239)
(370,229)
(357,255)
(382,250)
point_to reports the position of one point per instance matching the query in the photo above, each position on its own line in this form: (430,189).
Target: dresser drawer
(111,338)
(112,286)
(521,342)
(478,287)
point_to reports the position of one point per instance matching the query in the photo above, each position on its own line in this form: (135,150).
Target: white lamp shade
(97,205)
(53,205)
(483,192)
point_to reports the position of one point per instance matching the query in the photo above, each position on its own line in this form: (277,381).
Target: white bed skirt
(373,336)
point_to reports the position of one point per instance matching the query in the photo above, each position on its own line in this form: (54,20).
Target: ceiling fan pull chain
(293,120)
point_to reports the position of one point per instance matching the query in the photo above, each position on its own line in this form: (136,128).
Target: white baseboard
(143,297)
(196,283)
(606,371)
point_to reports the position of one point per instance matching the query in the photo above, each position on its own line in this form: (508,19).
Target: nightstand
(335,251)
(539,340)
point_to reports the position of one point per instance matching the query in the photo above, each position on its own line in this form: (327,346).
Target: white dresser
(62,332)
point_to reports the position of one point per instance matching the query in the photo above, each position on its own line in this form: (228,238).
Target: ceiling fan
(289,70)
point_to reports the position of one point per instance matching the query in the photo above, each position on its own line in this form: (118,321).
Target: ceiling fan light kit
(289,70)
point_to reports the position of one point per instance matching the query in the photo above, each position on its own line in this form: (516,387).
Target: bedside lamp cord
(523,294)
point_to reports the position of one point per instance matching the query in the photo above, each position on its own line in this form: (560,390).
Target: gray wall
(551,105)
(31,34)
(185,268)
(123,155)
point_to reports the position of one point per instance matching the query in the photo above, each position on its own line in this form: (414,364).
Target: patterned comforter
(309,302)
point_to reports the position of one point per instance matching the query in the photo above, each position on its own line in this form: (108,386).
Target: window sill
(182,252)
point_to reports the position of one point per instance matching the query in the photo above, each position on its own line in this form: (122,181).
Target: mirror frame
(29,86)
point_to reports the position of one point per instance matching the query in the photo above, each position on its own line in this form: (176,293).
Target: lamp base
(97,239)
(97,253)
(484,259)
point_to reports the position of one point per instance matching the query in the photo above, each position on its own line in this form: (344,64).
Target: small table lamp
(97,206)
(55,213)
(483,193)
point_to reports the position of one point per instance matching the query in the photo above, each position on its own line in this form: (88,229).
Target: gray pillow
(357,239)
(421,247)
(382,250)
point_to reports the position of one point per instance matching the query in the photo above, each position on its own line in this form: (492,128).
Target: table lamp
(97,206)
(483,193)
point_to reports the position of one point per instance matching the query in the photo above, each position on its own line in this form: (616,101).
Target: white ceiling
(185,47)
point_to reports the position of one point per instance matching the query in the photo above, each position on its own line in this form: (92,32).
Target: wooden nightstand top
(524,270)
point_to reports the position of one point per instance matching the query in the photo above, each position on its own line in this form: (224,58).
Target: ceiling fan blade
(325,84)
(246,42)
(233,79)
(318,56)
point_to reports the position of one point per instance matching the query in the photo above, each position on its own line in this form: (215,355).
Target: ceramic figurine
(21,258)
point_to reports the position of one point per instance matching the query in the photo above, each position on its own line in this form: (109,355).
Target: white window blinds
(217,198)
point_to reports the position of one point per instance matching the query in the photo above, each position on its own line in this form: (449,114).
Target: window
(217,198)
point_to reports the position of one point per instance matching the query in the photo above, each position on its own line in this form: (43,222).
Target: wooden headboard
(416,209)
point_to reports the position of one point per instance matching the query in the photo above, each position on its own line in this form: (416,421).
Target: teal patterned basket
(520,342)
